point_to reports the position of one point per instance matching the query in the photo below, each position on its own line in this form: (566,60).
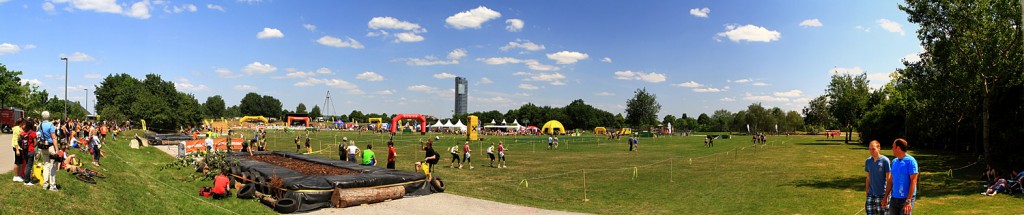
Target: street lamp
(86,101)
(65,86)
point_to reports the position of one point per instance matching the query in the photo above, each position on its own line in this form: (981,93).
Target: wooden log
(352,197)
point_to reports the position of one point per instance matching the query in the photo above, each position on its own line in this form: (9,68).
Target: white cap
(344,139)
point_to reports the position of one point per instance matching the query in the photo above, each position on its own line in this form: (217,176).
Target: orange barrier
(218,144)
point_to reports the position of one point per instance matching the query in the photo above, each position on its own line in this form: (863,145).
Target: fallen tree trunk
(351,197)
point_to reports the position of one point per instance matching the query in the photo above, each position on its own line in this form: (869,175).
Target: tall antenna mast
(329,105)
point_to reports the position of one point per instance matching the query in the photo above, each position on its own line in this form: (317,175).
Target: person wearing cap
(341,148)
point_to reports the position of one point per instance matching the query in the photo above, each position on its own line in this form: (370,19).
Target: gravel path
(438,203)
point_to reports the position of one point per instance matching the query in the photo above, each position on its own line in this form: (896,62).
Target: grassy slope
(134,185)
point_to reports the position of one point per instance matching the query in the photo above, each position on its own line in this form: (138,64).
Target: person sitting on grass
(1000,185)
(220,188)
(369,158)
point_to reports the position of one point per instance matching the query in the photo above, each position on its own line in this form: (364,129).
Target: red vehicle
(8,116)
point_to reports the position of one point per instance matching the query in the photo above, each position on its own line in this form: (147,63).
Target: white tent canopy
(492,121)
(459,125)
(515,122)
(437,125)
(448,123)
(503,122)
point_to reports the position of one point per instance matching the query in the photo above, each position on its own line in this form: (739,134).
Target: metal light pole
(65,86)
(87,102)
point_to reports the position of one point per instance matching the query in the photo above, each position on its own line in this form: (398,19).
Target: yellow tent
(550,126)
(600,131)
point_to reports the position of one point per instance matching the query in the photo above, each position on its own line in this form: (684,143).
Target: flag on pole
(748,128)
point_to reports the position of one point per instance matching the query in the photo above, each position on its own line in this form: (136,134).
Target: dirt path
(438,203)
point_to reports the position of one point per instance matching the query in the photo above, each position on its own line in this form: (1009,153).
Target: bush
(207,164)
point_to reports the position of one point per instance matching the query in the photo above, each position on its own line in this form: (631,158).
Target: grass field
(674,175)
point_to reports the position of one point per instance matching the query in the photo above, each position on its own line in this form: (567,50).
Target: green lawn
(674,175)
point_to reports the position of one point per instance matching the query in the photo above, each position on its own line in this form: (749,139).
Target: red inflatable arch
(423,121)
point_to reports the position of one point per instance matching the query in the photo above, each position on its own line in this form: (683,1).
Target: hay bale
(134,144)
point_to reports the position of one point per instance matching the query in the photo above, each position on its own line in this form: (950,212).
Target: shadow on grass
(934,179)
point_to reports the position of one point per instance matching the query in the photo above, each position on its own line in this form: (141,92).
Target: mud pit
(304,167)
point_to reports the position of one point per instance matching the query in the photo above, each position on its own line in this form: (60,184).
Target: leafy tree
(669,119)
(848,96)
(214,107)
(979,45)
(703,122)
(315,112)
(817,114)
(301,109)
(722,119)
(642,110)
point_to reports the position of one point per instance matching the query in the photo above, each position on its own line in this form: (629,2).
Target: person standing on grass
(352,151)
(501,155)
(630,143)
(341,148)
(454,150)
(369,158)
(902,185)
(430,158)
(551,142)
(229,138)
(392,155)
(877,168)
(47,149)
(28,153)
(16,146)
(556,142)
(308,149)
(297,146)
(465,157)
(490,153)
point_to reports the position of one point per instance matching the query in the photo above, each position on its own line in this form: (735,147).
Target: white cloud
(139,10)
(530,63)
(384,92)
(335,83)
(77,57)
(422,88)
(309,27)
(29,46)
(749,33)
(388,22)
(606,59)
(552,78)
(33,82)
(258,68)
(751,97)
(48,6)
(604,94)
(268,33)
(471,18)
(523,44)
(246,87)
(891,26)
(862,28)
(182,8)
(810,23)
(7,48)
(370,76)
(740,81)
(911,58)
(453,58)
(323,70)
(103,6)
(185,85)
(567,57)
(846,71)
(407,37)
(292,73)
(514,25)
(791,93)
(878,79)
(727,99)
(485,80)
(91,76)
(690,84)
(647,77)
(338,43)
(215,7)
(759,84)
(700,12)
(226,73)
(444,75)
(707,90)
(528,87)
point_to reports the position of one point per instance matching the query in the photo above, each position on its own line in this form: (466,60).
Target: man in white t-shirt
(352,151)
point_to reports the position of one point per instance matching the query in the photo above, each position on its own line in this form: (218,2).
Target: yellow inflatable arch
(249,118)
(600,130)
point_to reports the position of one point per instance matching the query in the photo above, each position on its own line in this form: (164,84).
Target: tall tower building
(461,98)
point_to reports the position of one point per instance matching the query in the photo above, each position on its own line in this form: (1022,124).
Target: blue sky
(402,56)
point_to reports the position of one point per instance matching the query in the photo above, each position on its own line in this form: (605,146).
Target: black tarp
(314,192)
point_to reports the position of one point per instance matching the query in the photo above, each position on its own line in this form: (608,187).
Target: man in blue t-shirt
(902,187)
(47,150)
(877,168)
